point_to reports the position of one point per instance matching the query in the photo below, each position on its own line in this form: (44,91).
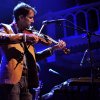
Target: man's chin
(27,27)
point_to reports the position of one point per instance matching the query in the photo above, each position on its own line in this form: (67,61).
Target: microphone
(81,63)
(53,71)
(52,21)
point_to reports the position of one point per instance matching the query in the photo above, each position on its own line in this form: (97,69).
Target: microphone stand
(92,87)
(89,34)
(90,54)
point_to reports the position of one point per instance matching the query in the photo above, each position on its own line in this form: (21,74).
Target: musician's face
(29,19)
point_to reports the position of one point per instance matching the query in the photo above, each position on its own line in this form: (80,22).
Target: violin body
(42,38)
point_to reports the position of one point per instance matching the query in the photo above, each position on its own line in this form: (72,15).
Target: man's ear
(21,17)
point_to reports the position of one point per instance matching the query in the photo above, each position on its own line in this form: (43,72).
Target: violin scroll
(66,50)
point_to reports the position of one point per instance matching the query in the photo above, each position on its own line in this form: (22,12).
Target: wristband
(24,37)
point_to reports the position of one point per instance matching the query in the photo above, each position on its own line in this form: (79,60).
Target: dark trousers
(18,91)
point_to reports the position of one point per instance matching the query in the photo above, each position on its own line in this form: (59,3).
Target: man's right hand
(31,38)
(35,38)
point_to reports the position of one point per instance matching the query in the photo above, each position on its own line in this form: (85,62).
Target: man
(18,70)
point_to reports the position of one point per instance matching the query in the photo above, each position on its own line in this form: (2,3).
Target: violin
(44,39)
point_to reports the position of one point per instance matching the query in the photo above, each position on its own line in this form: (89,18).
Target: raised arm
(49,51)
(7,36)
(10,38)
(17,38)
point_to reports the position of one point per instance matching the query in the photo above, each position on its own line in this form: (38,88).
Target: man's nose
(32,20)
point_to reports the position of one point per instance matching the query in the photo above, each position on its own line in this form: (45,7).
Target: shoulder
(5,27)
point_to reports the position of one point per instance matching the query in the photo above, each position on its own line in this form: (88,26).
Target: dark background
(68,66)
